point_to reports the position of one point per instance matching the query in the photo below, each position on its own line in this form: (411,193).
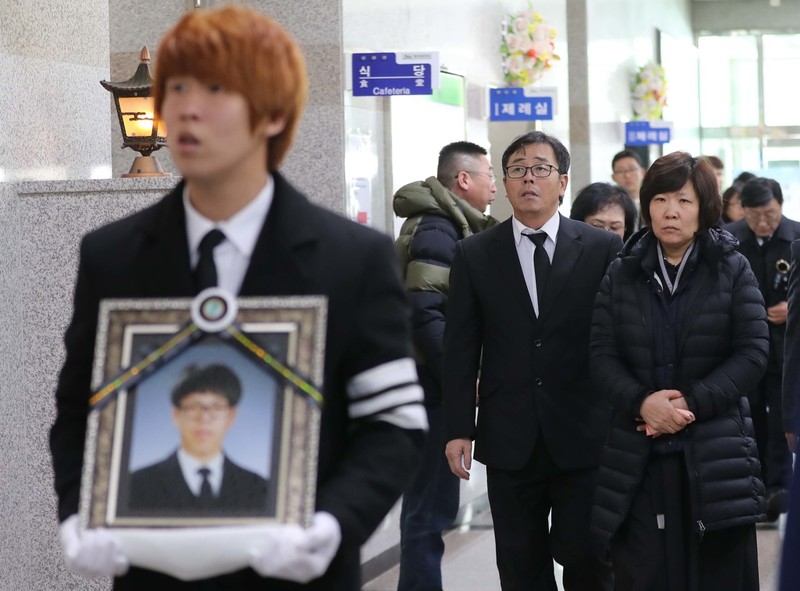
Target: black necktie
(206,496)
(541,264)
(205,274)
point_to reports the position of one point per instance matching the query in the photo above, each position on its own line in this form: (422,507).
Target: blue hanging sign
(395,74)
(645,133)
(515,104)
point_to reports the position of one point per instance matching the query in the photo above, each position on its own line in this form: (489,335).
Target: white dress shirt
(190,467)
(525,250)
(232,256)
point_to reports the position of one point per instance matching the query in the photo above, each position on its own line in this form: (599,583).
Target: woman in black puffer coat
(679,336)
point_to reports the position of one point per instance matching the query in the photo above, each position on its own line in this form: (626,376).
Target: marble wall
(52,55)
(41,224)
(316,161)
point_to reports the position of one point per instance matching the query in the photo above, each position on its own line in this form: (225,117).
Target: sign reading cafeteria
(395,74)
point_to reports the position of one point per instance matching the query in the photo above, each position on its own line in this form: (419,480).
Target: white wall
(622,36)
(466,33)
(619,35)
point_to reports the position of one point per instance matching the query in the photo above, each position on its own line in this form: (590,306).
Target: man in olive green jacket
(440,211)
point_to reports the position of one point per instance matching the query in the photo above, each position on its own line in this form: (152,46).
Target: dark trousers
(521,502)
(429,507)
(646,558)
(773,452)
(790,565)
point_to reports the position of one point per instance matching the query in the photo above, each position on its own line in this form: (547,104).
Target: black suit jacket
(791,366)
(161,488)
(534,373)
(763,264)
(303,249)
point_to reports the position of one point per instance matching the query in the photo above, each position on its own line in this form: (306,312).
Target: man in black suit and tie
(765,237)
(198,478)
(790,569)
(519,312)
(230,86)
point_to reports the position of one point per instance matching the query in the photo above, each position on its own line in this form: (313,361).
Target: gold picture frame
(275,348)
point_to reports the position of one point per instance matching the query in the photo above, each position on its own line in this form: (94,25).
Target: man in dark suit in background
(230,86)
(765,236)
(198,477)
(519,312)
(790,567)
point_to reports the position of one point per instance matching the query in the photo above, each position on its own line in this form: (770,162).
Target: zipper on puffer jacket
(695,507)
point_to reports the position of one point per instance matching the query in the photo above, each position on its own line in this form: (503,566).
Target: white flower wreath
(649,92)
(528,47)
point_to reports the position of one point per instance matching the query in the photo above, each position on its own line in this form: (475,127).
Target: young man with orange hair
(230,86)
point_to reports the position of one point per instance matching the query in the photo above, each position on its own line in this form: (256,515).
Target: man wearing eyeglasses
(440,211)
(765,237)
(519,312)
(628,171)
(198,478)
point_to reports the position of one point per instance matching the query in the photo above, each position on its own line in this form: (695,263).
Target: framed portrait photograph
(205,412)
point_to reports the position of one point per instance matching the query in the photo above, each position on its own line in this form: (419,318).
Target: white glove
(92,553)
(296,554)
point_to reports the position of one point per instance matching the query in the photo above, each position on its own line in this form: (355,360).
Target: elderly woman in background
(606,206)
(679,337)
(732,210)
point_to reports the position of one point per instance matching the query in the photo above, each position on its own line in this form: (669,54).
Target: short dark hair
(215,378)
(760,191)
(744,176)
(597,196)
(733,191)
(539,137)
(670,173)
(715,162)
(626,154)
(449,162)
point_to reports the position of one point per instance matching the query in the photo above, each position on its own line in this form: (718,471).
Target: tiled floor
(469,563)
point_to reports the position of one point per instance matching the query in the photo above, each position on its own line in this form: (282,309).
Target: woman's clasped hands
(664,411)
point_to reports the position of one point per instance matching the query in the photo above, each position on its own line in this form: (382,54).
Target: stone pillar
(579,119)
(41,224)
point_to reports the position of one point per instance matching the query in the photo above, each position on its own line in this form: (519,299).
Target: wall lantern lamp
(141,131)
